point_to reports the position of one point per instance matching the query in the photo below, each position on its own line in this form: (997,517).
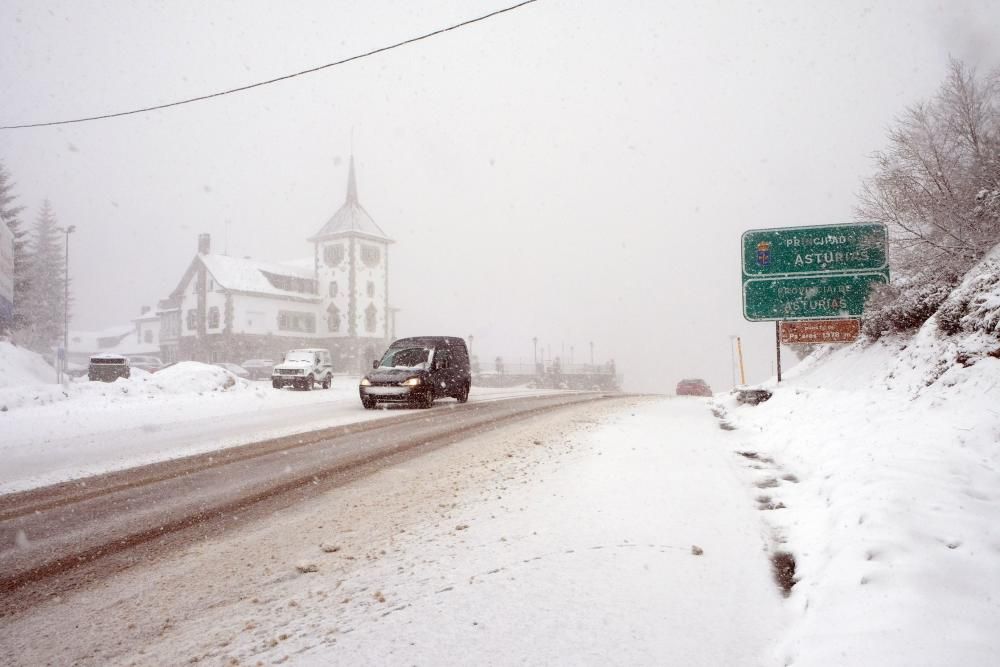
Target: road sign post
(819,273)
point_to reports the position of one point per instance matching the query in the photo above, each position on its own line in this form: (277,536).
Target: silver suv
(303,369)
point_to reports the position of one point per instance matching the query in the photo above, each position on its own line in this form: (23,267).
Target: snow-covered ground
(609,534)
(52,433)
(883,461)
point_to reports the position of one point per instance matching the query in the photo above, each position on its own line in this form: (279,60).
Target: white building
(231,309)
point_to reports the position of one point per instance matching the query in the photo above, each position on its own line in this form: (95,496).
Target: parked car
(303,369)
(693,387)
(108,367)
(235,369)
(418,370)
(259,369)
(145,363)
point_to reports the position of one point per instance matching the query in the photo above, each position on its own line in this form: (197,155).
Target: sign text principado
(804,273)
(805,250)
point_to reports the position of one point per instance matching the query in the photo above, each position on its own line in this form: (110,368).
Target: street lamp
(68,230)
(534,342)
(591,353)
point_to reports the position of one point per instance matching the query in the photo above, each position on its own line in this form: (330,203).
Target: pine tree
(11,216)
(45,297)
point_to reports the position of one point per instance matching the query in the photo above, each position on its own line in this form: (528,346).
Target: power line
(277,79)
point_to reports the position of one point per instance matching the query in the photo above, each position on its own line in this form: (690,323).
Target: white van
(303,369)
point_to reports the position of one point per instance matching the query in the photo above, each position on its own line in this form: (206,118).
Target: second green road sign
(808,297)
(821,272)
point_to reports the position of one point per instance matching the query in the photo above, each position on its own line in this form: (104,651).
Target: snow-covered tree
(44,299)
(10,214)
(937,188)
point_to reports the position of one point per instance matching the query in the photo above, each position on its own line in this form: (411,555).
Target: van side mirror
(375,364)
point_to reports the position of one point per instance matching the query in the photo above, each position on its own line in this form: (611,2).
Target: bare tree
(937,188)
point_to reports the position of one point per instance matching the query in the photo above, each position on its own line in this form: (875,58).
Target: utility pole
(591,353)
(63,363)
(534,341)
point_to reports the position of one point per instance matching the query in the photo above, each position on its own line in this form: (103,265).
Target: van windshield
(407,357)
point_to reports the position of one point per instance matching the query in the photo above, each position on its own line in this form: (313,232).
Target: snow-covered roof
(90,341)
(351,218)
(257,277)
(303,263)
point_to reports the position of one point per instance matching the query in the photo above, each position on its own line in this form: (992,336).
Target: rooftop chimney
(204,244)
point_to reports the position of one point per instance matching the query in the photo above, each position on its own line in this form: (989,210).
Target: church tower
(352,273)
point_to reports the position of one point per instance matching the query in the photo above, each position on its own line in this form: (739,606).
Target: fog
(571,171)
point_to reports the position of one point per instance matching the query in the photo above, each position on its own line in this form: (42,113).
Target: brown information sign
(820,331)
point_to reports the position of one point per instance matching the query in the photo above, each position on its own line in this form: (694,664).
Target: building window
(333,288)
(192,319)
(371,289)
(333,254)
(292,321)
(213,317)
(332,319)
(148,336)
(370,318)
(370,255)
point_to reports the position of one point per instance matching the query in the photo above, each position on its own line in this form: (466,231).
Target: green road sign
(813,297)
(824,249)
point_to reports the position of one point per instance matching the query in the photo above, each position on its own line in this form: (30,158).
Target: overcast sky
(575,171)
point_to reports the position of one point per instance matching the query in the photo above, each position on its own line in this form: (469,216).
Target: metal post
(591,353)
(534,341)
(732,359)
(739,350)
(777,346)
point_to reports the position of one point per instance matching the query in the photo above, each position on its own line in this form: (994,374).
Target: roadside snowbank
(878,468)
(187,377)
(20,366)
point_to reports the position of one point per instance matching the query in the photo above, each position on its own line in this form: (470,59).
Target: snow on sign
(808,273)
(820,331)
(6,276)
(805,250)
(808,297)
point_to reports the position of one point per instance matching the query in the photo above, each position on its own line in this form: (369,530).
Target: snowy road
(88,435)
(563,539)
(49,531)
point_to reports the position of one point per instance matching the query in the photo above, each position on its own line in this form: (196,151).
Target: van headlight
(365,382)
(412,382)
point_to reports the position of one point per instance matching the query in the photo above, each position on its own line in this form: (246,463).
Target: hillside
(877,467)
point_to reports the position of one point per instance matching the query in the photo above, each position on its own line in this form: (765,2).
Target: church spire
(352,185)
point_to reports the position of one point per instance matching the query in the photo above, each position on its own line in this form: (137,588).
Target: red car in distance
(693,387)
